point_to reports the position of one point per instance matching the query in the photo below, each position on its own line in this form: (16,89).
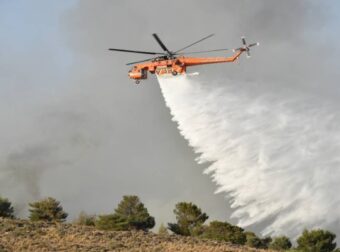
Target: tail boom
(211,60)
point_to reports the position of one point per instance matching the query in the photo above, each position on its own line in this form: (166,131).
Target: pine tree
(6,209)
(48,209)
(133,215)
(190,219)
(129,215)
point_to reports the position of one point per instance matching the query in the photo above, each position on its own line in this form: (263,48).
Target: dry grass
(22,235)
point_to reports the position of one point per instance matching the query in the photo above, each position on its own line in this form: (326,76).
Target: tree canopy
(224,231)
(280,243)
(130,214)
(6,209)
(316,241)
(48,209)
(190,219)
(255,242)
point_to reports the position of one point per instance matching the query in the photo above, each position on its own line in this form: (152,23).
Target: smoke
(274,154)
(52,140)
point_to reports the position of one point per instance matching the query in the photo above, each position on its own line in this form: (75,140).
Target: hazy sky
(76,128)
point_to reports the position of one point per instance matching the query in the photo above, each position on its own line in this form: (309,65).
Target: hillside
(23,235)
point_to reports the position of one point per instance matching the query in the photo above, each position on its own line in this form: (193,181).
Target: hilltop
(24,235)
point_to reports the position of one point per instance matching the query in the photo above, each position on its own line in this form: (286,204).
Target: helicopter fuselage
(175,66)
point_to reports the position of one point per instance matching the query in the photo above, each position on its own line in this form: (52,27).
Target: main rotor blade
(209,36)
(161,43)
(244,41)
(216,50)
(140,61)
(133,51)
(253,44)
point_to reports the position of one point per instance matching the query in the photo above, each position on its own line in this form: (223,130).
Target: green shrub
(280,243)
(48,209)
(252,240)
(6,209)
(108,222)
(255,242)
(190,219)
(265,242)
(224,231)
(316,241)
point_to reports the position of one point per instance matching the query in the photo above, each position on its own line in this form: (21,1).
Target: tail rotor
(246,47)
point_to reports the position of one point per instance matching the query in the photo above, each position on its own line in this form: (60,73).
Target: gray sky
(76,128)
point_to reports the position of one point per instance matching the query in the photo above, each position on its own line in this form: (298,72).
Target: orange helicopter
(174,62)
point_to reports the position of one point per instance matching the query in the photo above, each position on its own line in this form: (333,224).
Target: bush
(48,209)
(316,240)
(6,209)
(252,240)
(108,222)
(129,215)
(85,219)
(224,231)
(189,219)
(265,242)
(255,242)
(280,243)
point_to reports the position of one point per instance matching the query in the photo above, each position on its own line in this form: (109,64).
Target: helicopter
(175,62)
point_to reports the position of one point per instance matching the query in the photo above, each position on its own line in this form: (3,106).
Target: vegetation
(23,235)
(316,241)
(280,243)
(129,215)
(85,219)
(265,242)
(109,222)
(190,219)
(255,242)
(162,230)
(252,240)
(224,231)
(133,214)
(48,209)
(6,209)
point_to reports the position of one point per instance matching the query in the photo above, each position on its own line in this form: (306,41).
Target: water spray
(274,154)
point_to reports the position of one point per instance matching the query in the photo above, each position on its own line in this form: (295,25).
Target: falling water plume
(276,154)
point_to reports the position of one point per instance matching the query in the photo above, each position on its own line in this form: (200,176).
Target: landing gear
(137,82)
(174,73)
